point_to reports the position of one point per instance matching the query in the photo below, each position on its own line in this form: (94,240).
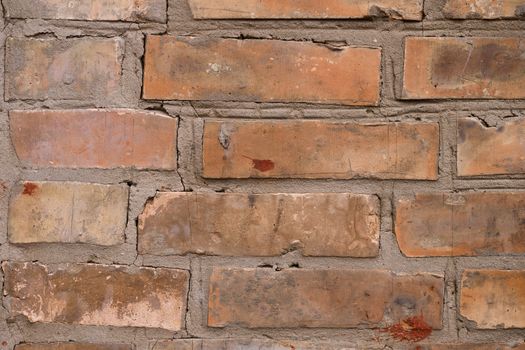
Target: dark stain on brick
(460,64)
(520,11)
(263,164)
(412,329)
(30,188)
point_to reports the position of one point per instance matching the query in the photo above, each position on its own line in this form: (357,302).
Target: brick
(253,344)
(464,68)
(68,69)
(313,9)
(320,149)
(259,70)
(240,224)
(101,295)
(465,224)
(91,10)
(68,212)
(292,298)
(71,346)
(472,346)
(490,150)
(482,9)
(493,298)
(95,138)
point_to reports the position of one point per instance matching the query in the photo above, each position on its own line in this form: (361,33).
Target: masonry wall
(224,174)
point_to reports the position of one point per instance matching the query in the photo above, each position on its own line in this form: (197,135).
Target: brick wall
(270,175)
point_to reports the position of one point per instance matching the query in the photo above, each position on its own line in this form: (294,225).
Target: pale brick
(493,298)
(68,212)
(336,224)
(89,294)
(483,9)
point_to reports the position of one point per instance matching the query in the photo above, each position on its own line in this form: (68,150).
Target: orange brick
(475,223)
(493,298)
(95,138)
(257,298)
(336,224)
(464,68)
(71,346)
(462,9)
(91,10)
(259,70)
(89,294)
(68,69)
(320,149)
(272,9)
(490,151)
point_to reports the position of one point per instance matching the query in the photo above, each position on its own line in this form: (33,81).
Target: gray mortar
(378,32)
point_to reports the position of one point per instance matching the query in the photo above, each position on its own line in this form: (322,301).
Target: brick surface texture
(262,175)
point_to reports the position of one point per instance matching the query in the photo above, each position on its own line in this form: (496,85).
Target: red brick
(336,224)
(320,149)
(68,69)
(273,9)
(71,346)
(95,138)
(464,68)
(257,298)
(68,212)
(493,298)
(462,9)
(490,150)
(259,70)
(91,10)
(469,224)
(89,294)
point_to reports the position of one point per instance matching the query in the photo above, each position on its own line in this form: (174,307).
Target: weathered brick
(179,68)
(256,298)
(493,298)
(254,344)
(91,10)
(320,149)
(462,9)
(274,9)
(95,138)
(470,346)
(336,224)
(69,69)
(473,223)
(89,294)
(464,68)
(71,346)
(68,212)
(490,150)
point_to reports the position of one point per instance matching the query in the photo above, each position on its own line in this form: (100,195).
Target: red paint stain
(29,188)
(411,329)
(262,164)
